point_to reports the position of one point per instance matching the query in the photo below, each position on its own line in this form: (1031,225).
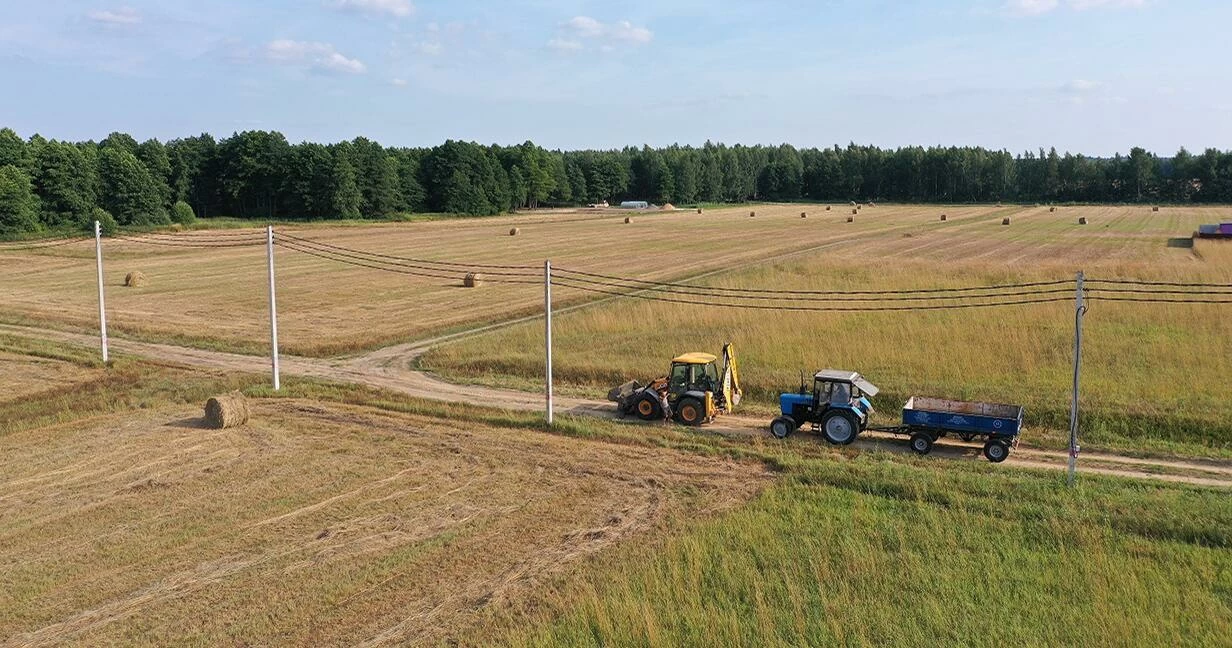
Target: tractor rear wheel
(922,443)
(783,426)
(690,411)
(996,451)
(839,427)
(648,409)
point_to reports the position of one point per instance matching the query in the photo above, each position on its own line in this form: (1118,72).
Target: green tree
(129,192)
(65,178)
(346,197)
(19,207)
(182,213)
(153,155)
(14,151)
(106,222)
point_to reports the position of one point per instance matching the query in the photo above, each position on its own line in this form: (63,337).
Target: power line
(1155,300)
(44,244)
(1174,284)
(363,256)
(457,264)
(190,244)
(368,263)
(705,291)
(764,291)
(814,309)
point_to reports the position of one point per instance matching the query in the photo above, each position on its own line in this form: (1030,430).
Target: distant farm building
(634,204)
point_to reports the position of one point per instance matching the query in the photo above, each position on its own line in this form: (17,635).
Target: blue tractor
(837,407)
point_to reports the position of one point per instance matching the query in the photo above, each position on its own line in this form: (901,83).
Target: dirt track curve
(392,368)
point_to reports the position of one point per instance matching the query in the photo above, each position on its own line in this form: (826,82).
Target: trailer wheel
(922,443)
(839,427)
(648,409)
(782,426)
(690,411)
(996,451)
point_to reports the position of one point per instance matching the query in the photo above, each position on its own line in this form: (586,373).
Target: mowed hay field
(217,297)
(1155,376)
(321,523)
(316,523)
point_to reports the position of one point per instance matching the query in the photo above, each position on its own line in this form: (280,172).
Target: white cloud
(1039,7)
(565,45)
(321,57)
(581,29)
(398,82)
(428,48)
(396,8)
(121,16)
(1079,86)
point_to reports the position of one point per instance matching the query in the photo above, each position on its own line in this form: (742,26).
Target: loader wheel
(921,443)
(996,451)
(648,410)
(690,411)
(839,427)
(782,426)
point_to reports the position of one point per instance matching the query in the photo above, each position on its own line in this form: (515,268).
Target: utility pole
(102,305)
(547,331)
(1080,310)
(273,305)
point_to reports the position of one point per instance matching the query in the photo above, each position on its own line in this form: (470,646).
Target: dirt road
(392,368)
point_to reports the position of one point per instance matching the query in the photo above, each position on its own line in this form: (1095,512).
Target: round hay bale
(628,219)
(1051,209)
(803,214)
(752,214)
(699,210)
(514,231)
(1155,209)
(1082,220)
(853,213)
(228,410)
(943,217)
(851,219)
(1005,221)
(827,208)
(135,279)
(853,203)
(472,280)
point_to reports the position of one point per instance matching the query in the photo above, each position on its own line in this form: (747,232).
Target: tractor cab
(837,406)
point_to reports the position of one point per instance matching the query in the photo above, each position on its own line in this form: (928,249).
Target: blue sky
(1095,76)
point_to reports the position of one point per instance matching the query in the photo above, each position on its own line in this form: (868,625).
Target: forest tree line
(50,184)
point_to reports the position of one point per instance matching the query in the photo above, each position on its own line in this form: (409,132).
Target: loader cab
(693,372)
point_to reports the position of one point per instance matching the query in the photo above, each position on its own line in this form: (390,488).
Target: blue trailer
(838,408)
(928,419)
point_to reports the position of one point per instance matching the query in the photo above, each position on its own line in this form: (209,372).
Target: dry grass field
(216,297)
(315,524)
(1155,375)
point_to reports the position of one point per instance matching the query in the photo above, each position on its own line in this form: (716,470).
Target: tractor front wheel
(782,426)
(840,427)
(648,409)
(690,411)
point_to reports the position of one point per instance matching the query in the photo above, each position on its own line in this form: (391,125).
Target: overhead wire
(767,291)
(406,269)
(455,264)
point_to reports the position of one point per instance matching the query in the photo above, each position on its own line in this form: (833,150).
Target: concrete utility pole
(547,331)
(273,305)
(1080,309)
(102,305)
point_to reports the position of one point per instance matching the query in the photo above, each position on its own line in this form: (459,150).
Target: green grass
(880,553)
